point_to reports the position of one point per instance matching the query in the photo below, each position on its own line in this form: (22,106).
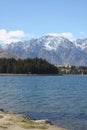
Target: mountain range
(55,49)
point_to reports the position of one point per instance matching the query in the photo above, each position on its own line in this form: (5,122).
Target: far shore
(12,121)
(9,74)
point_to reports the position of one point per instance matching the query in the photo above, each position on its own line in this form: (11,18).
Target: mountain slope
(4,54)
(82,43)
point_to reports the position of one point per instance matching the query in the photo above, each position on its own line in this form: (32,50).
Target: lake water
(61,99)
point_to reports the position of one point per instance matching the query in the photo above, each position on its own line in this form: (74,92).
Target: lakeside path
(12,121)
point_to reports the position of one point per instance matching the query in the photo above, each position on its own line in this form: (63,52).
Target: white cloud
(16,33)
(11,36)
(67,35)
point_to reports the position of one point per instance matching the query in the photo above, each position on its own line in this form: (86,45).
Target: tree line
(27,66)
(37,66)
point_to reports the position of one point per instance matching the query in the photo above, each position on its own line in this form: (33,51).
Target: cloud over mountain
(11,36)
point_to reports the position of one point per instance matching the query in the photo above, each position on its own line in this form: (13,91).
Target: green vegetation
(27,66)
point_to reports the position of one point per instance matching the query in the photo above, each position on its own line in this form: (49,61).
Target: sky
(25,19)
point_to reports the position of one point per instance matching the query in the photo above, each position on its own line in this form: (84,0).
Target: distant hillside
(7,55)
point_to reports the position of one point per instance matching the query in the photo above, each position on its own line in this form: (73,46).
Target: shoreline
(12,121)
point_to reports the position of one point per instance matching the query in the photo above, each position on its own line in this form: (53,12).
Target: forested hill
(27,66)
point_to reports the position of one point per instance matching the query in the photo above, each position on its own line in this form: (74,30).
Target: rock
(2,110)
(48,122)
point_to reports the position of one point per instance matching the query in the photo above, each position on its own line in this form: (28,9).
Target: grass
(32,124)
(8,123)
(27,126)
(1,116)
(4,127)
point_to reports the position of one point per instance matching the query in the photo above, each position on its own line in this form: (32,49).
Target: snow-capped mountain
(55,49)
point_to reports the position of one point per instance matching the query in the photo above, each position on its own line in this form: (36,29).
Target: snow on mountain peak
(51,41)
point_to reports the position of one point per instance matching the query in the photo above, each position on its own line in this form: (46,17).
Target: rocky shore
(12,121)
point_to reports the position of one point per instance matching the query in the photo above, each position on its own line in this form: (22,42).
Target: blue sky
(35,18)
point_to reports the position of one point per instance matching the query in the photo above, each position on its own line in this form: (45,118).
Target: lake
(61,99)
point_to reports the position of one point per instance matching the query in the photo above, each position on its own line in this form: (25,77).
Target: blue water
(61,99)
